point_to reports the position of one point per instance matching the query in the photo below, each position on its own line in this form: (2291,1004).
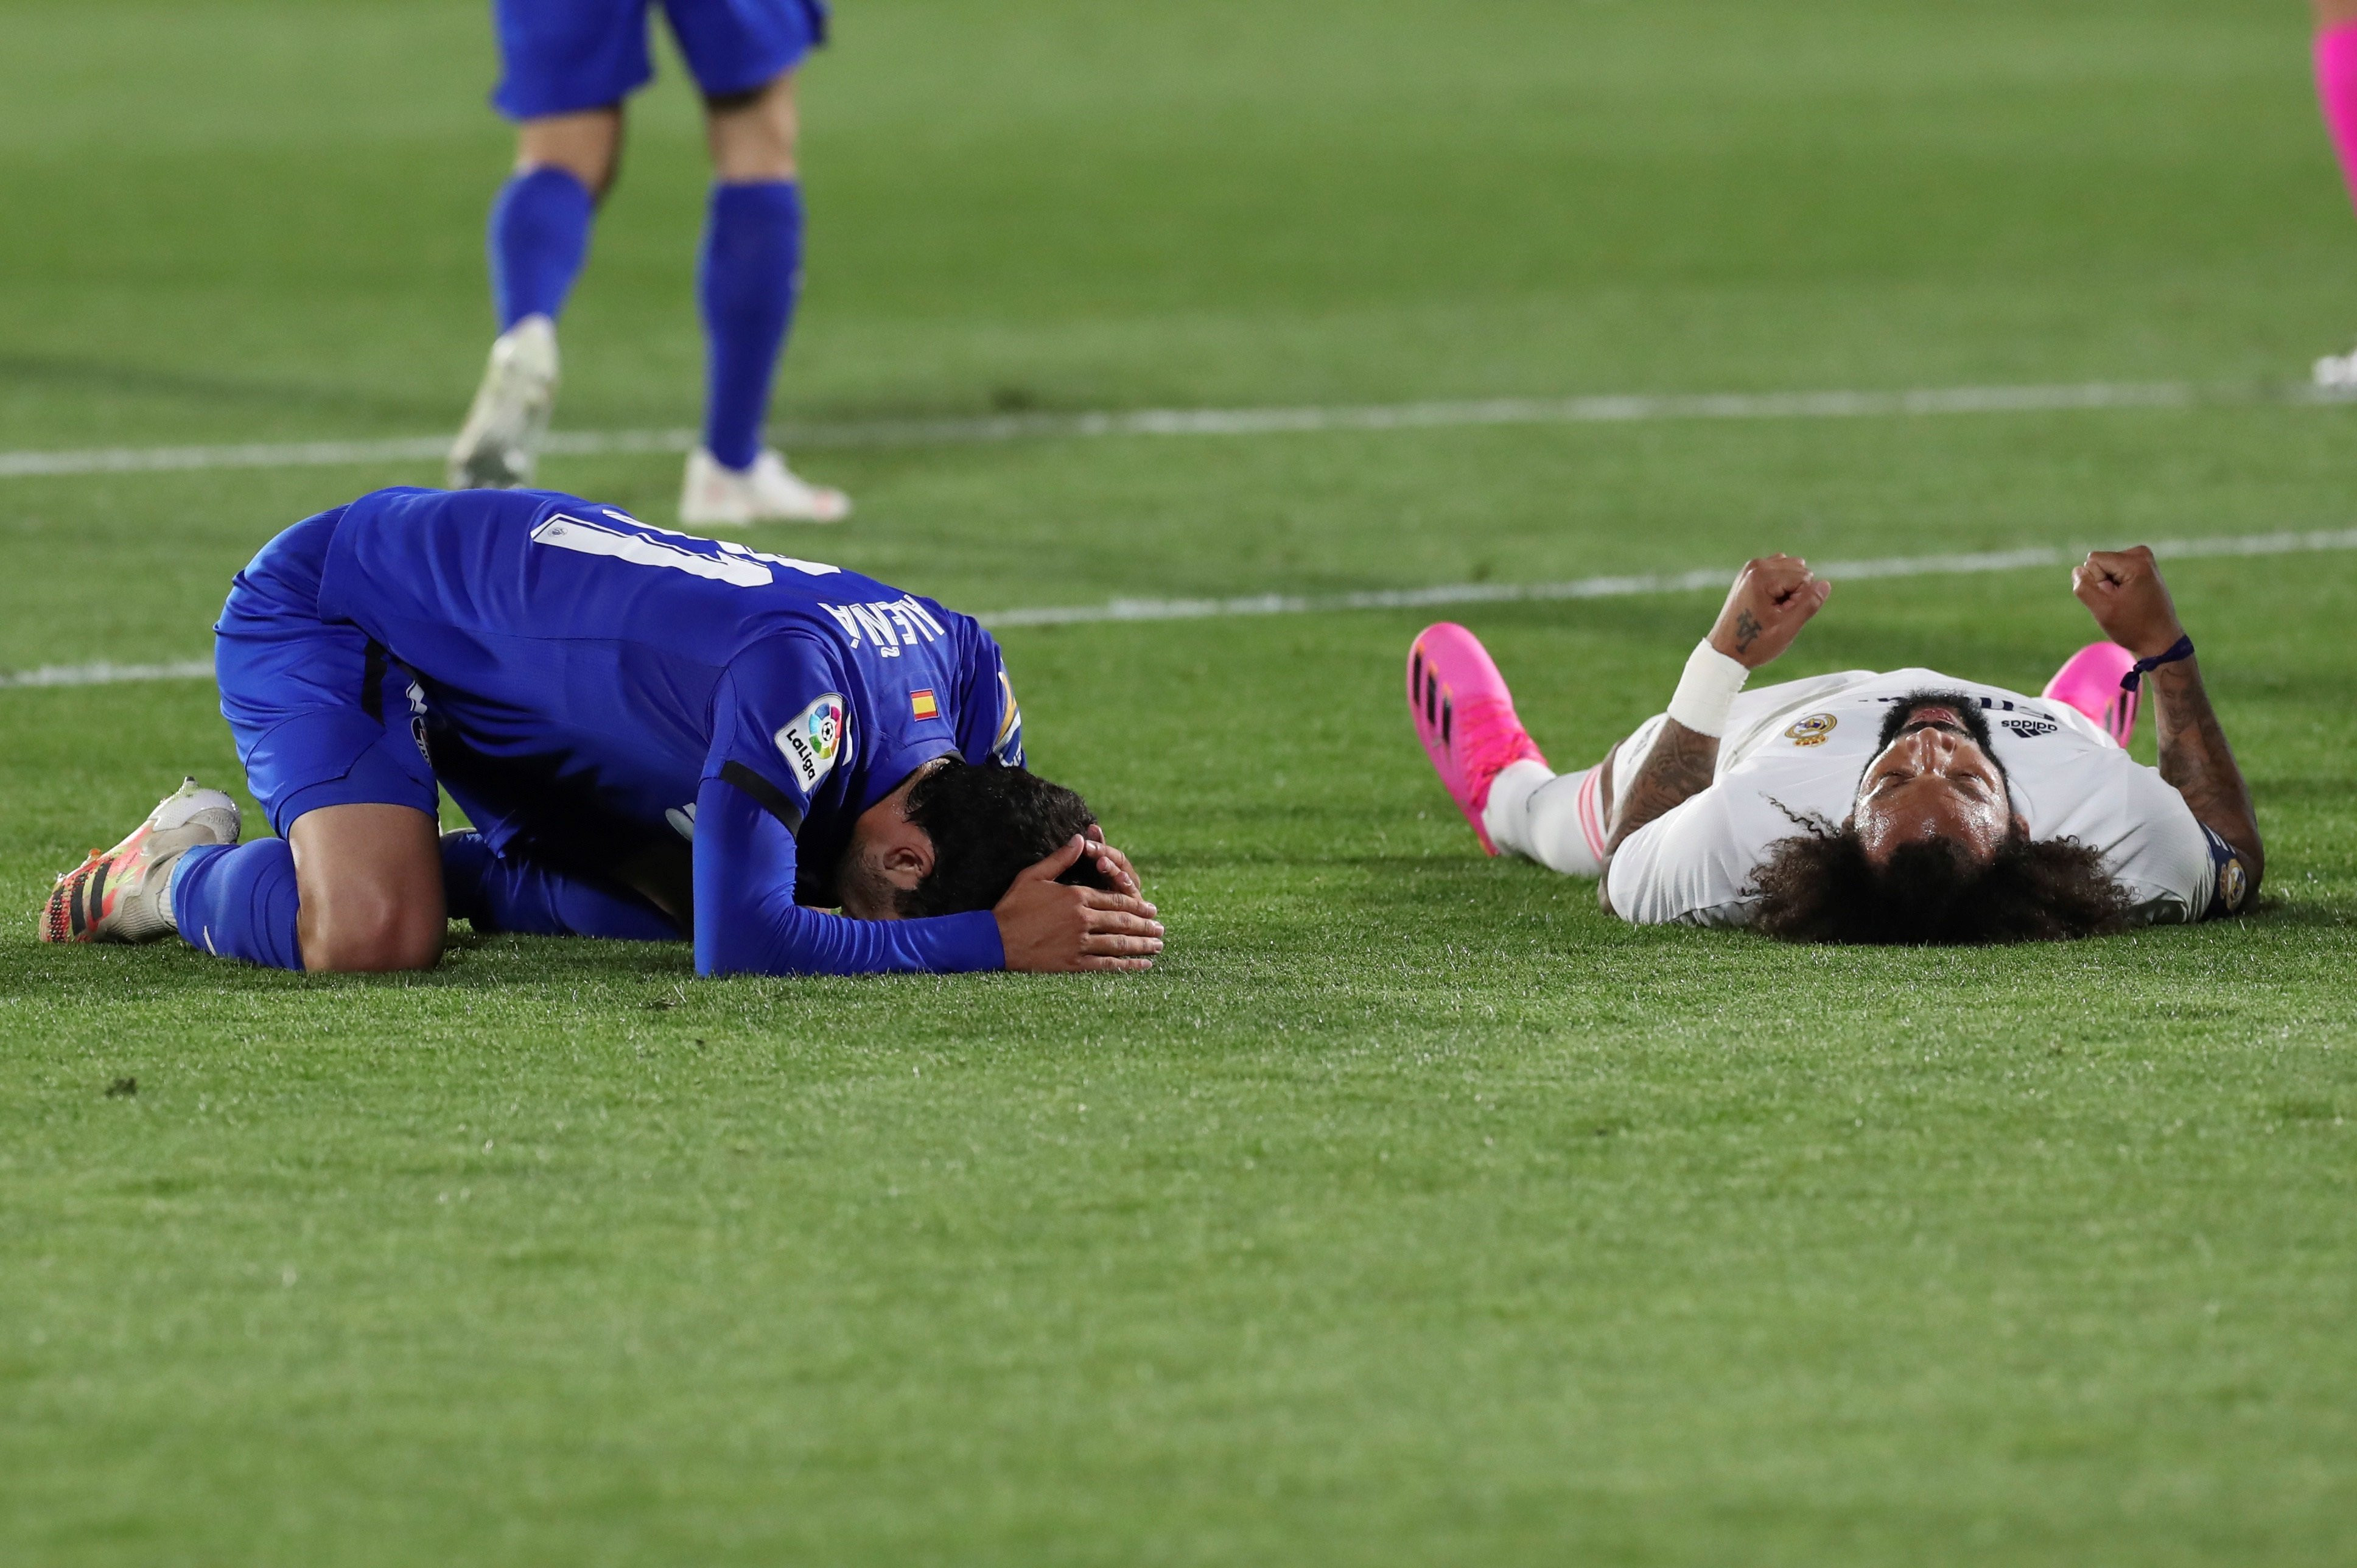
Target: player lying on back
(654,735)
(1909,807)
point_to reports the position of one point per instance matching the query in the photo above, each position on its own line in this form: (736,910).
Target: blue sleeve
(990,723)
(780,726)
(747,921)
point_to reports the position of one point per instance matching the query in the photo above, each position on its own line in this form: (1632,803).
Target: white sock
(1552,818)
(1505,817)
(164,898)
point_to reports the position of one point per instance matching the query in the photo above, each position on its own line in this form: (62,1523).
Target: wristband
(1708,689)
(2181,649)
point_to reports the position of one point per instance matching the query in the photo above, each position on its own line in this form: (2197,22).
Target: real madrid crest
(1813,730)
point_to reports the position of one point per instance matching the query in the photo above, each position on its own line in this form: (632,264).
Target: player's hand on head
(2123,590)
(1051,928)
(1772,600)
(1114,865)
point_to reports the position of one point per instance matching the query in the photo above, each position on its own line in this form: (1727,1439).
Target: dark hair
(1819,887)
(988,823)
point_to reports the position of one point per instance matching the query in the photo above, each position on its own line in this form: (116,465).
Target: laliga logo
(812,739)
(826,730)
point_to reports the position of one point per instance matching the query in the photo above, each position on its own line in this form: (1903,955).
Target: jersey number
(625,538)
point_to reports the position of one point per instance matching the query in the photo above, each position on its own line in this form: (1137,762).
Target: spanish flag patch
(922,704)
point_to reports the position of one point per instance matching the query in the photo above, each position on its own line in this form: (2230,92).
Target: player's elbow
(2240,878)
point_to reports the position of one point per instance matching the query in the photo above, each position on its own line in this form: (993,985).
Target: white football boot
(499,443)
(768,492)
(117,894)
(2337,372)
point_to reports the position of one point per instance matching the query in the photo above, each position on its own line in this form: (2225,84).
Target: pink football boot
(2089,680)
(1465,716)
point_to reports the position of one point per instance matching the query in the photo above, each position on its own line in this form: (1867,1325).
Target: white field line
(1204,422)
(1712,577)
(110,674)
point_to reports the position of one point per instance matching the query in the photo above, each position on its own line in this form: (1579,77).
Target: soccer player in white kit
(1901,807)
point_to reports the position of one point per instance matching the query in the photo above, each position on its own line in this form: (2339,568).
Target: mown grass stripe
(1439,596)
(1598,410)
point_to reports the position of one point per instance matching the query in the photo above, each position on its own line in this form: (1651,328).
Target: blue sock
(750,271)
(238,900)
(507,893)
(539,235)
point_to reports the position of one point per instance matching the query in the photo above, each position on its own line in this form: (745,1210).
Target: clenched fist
(1772,600)
(2123,590)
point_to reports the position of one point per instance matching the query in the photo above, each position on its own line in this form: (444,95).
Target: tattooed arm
(2123,591)
(1680,766)
(2194,757)
(1773,598)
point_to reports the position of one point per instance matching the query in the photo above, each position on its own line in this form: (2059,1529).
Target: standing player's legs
(539,233)
(568,65)
(2336,92)
(749,272)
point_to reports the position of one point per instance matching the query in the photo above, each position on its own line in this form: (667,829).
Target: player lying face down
(656,737)
(1863,807)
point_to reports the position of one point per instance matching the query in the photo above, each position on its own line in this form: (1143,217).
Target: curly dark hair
(987,824)
(1819,887)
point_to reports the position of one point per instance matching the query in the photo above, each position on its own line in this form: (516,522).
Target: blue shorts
(561,57)
(321,716)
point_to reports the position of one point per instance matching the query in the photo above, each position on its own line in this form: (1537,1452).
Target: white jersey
(1799,748)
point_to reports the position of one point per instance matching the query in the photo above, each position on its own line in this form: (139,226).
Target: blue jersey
(618,701)
(588,681)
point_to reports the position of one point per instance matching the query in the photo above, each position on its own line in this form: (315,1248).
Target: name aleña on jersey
(885,626)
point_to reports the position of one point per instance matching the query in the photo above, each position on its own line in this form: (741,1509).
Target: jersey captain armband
(774,800)
(2230,885)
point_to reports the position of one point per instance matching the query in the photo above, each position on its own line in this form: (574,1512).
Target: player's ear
(908,860)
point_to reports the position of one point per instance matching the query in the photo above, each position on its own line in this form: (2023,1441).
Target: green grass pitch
(1410,1211)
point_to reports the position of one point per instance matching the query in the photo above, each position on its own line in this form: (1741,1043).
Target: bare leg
(588,146)
(369,878)
(753,136)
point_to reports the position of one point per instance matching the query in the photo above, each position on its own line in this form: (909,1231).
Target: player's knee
(365,933)
(597,175)
(588,146)
(754,133)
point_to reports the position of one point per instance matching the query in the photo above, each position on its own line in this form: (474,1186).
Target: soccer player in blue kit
(567,66)
(655,735)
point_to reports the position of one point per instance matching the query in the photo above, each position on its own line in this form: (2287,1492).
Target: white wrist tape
(1708,689)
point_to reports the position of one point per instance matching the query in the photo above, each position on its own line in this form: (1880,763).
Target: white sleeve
(2165,859)
(1691,865)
